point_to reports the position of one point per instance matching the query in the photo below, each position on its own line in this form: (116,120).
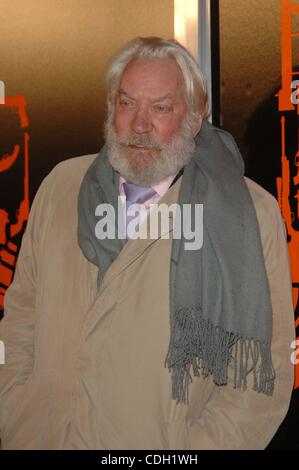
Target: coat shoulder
(66,177)
(266,206)
(75,167)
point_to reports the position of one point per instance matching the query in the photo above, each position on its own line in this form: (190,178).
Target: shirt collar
(160,188)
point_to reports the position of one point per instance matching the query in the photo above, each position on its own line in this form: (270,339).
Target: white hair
(158,48)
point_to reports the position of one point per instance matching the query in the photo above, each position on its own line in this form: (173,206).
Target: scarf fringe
(207,349)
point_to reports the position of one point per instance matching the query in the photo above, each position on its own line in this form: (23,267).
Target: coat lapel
(135,247)
(130,252)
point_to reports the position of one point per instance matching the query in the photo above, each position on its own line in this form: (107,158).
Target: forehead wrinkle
(147,71)
(121,91)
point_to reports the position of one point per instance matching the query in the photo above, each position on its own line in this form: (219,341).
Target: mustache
(140,141)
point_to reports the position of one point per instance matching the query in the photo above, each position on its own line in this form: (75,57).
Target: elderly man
(130,342)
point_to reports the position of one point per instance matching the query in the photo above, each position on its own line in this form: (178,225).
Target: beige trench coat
(85,368)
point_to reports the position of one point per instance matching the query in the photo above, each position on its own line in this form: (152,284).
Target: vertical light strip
(186,24)
(192,28)
(204,44)
(2,92)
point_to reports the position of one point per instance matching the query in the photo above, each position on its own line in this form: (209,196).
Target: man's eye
(125,103)
(162,108)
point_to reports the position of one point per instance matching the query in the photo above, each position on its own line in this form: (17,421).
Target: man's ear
(197,124)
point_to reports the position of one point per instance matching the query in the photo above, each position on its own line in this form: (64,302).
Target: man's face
(148,135)
(150,101)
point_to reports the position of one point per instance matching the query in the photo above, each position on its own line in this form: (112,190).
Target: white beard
(151,167)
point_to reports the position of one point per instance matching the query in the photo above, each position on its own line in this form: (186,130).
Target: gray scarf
(220,309)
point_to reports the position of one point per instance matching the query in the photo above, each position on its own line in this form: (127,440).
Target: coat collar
(135,247)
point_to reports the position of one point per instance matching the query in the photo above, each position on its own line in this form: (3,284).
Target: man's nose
(142,121)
